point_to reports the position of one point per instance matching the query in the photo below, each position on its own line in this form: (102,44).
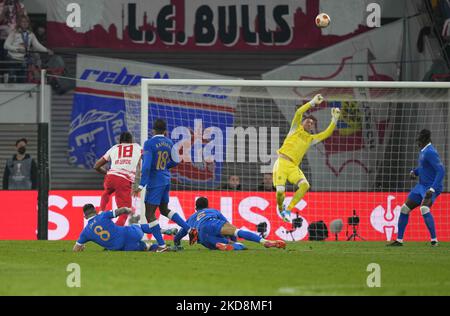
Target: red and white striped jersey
(124,160)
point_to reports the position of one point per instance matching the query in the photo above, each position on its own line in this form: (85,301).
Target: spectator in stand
(20,44)
(41,34)
(267,183)
(444,7)
(233,184)
(10,10)
(20,170)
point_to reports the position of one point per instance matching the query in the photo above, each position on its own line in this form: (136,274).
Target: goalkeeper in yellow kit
(291,153)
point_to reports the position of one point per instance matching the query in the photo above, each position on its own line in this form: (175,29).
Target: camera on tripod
(296,223)
(261,228)
(353,221)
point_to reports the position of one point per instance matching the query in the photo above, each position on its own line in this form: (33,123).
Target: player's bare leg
(403,222)
(150,211)
(193,233)
(230,230)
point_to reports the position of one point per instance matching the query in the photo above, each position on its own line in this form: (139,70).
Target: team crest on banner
(92,132)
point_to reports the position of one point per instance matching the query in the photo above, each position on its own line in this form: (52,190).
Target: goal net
(227,134)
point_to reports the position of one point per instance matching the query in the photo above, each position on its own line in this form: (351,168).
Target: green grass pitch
(304,268)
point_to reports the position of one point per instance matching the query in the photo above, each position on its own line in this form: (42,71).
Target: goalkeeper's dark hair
(88,209)
(201,203)
(126,137)
(424,136)
(305,117)
(160,126)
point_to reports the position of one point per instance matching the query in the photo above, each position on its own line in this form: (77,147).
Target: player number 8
(103,234)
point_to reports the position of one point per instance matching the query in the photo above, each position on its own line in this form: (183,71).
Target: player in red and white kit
(125,159)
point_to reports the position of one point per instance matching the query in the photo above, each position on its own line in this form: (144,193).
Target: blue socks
(146,229)
(248,236)
(429,221)
(238,246)
(402,223)
(155,231)
(180,222)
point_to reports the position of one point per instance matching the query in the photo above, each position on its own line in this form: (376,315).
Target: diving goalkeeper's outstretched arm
(335,114)
(297,120)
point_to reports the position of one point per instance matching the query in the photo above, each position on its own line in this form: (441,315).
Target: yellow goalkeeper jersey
(298,141)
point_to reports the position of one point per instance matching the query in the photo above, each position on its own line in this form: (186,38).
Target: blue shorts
(133,239)
(417,194)
(157,195)
(209,233)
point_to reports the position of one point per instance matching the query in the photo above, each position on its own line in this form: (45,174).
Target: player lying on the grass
(216,233)
(431,174)
(101,230)
(156,161)
(125,158)
(290,155)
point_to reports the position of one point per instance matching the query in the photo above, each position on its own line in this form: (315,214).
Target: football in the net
(322,20)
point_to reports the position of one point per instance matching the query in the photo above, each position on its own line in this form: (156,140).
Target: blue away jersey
(157,160)
(101,230)
(198,219)
(430,170)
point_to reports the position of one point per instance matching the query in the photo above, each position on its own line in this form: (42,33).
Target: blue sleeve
(174,159)
(107,215)
(172,164)
(147,158)
(435,162)
(83,238)
(220,215)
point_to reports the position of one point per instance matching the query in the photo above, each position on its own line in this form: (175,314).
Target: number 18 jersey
(124,159)
(156,161)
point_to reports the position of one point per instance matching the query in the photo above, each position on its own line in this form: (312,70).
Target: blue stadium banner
(107,88)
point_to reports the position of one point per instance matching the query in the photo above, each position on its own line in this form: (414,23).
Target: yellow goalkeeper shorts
(286,170)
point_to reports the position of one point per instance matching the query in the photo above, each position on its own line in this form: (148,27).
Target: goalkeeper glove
(335,114)
(318,98)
